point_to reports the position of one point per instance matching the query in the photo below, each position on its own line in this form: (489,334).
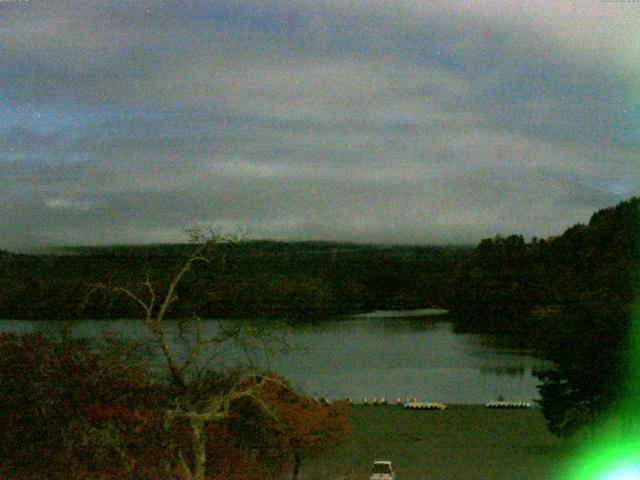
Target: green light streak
(613,452)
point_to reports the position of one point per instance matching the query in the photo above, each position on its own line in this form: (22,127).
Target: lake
(391,354)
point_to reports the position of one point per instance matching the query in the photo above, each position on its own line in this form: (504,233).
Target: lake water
(382,354)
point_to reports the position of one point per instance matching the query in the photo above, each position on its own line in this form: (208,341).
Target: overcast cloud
(361,120)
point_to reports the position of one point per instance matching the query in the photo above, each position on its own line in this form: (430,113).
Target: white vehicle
(382,470)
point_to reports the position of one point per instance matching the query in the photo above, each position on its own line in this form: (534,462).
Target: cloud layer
(417,122)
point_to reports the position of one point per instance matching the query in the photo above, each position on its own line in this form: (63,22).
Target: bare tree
(214,406)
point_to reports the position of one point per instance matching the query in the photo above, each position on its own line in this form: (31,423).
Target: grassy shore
(461,442)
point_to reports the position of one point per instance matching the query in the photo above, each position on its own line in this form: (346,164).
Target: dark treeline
(248,279)
(537,288)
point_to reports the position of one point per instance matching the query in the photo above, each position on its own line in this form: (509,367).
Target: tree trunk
(199,449)
(296,465)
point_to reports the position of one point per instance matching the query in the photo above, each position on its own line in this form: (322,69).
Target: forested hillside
(532,288)
(248,279)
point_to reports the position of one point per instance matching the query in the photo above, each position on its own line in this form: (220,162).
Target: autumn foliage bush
(71,411)
(65,407)
(295,427)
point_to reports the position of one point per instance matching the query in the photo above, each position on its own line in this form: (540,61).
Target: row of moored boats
(414,404)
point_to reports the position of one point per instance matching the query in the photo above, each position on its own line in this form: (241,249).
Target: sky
(373,121)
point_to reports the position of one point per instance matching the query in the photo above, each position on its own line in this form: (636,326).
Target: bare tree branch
(134,297)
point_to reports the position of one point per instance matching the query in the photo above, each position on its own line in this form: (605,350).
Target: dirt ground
(461,442)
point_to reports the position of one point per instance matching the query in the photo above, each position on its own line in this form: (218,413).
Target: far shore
(420,312)
(461,442)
